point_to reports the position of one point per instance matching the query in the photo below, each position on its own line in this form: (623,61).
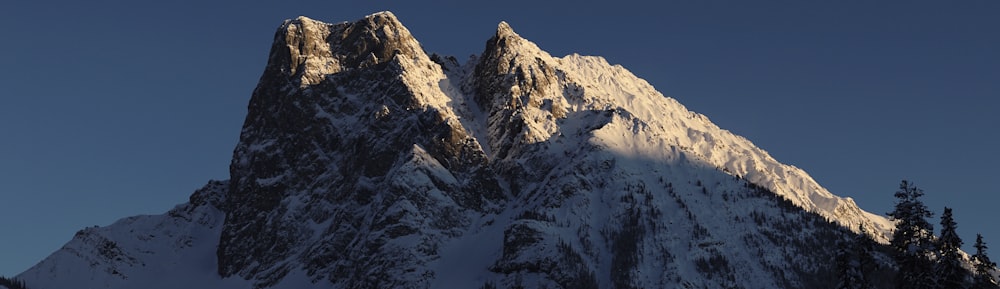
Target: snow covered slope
(557,87)
(366,163)
(136,252)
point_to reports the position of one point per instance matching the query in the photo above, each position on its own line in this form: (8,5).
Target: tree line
(12,283)
(923,260)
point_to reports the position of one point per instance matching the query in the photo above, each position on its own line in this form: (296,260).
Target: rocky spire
(504,31)
(343,117)
(516,84)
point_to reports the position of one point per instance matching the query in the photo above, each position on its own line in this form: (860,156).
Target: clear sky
(115,108)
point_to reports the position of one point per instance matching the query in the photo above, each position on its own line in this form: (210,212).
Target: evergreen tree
(12,283)
(950,273)
(848,273)
(854,261)
(863,248)
(912,239)
(983,275)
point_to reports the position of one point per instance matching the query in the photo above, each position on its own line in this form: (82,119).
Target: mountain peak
(363,164)
(504,30)
(303,18)
(383,14)
(350,117)
(307,49)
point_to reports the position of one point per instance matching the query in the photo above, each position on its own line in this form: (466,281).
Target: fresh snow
(661,124)
(465,262)
(602,130)
(173,250)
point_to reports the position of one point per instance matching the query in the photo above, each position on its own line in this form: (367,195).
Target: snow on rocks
(364,162)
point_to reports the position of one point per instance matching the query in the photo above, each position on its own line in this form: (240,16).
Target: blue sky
(116,108)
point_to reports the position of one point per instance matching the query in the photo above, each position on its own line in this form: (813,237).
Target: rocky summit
(364,162)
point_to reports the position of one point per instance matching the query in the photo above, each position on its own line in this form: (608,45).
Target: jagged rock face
(340,137)
(355,131)
(365,163)
(308,50)
(611,183)
(517,87)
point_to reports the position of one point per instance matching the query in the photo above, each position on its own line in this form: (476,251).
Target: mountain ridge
(365,162)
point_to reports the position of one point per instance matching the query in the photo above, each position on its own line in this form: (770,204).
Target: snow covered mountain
(366,163)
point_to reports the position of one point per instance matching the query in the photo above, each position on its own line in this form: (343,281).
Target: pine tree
(863,248)
(848,273)
(854,261)
(912,238)
(950,273)
(983,275)
(12,283)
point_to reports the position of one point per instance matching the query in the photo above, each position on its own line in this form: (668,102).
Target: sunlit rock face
(349,148)
(364,162)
